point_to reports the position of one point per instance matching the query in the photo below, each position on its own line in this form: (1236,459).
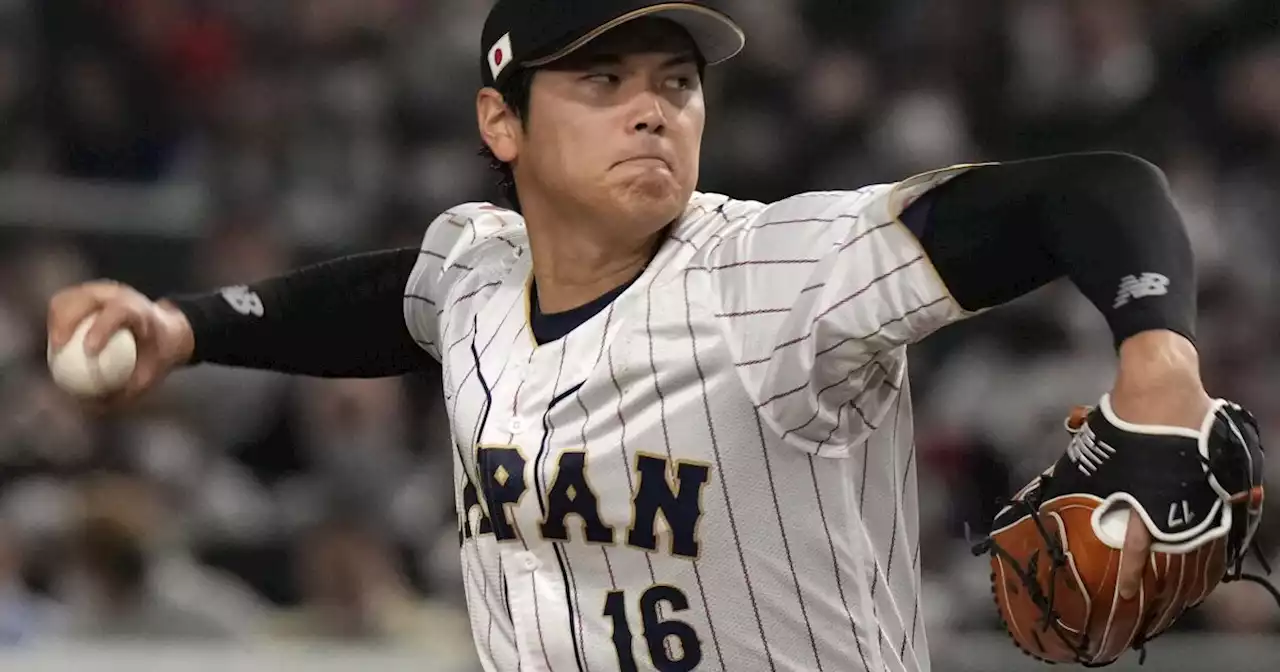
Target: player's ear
(499,126)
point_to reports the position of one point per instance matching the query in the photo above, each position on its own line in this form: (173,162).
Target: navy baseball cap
(531,33)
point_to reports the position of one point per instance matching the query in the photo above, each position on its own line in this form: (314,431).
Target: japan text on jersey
(716,471)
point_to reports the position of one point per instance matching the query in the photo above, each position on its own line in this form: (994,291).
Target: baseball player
(682,433)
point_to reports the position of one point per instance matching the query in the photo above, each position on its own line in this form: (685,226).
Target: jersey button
(529,561)
(516,426)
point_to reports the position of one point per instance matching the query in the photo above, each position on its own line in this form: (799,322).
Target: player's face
(617,126)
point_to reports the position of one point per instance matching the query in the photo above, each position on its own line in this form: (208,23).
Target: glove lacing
(1049,617)
(1252,499)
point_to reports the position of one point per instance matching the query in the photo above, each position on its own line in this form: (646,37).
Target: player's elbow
(1113,172)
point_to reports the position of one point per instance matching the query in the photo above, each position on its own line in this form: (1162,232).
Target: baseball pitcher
(682,427)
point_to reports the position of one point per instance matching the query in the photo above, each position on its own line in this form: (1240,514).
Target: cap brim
(717,36)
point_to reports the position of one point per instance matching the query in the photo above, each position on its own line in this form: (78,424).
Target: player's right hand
(163,333)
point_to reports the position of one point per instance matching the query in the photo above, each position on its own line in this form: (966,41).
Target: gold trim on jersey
(671,476)
(586,479)
(510,518)
(528,308)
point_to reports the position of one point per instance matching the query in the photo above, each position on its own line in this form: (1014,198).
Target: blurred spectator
(110,112)
(355,441)
(123,583)
(353,591)
(24,616)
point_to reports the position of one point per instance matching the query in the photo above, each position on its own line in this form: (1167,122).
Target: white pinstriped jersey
(716,471)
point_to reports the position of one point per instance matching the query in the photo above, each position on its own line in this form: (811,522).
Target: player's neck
(575,265)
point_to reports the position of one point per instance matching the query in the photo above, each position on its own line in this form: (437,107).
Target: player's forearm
(339,319)
(1158,381)
(1106,221)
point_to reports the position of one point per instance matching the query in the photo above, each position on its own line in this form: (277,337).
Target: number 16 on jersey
(673,645)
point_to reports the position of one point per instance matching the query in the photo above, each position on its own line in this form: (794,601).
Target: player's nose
(649,116)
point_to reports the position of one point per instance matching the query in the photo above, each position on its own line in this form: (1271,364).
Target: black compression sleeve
(1104,220)
(338,319)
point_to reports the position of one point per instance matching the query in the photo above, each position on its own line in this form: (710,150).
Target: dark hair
(515,93)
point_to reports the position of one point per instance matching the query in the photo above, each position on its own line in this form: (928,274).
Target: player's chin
(653,197)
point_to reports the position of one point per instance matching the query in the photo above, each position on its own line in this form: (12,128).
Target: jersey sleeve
(444,258)
(818,294)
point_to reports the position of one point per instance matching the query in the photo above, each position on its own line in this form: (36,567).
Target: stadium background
(183,144)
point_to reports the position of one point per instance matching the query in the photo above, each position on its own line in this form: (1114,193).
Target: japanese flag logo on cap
(500,55)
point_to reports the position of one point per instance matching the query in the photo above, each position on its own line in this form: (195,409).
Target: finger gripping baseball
(1056,548)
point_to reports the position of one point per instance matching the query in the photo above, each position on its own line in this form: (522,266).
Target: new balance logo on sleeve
(243,300)
(1141,286)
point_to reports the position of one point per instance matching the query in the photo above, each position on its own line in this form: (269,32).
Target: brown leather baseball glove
(1055,549)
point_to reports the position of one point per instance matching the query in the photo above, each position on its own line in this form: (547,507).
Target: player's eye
(682,83)
(606,78)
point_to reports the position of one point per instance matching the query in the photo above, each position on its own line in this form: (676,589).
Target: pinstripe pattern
(540,478)
(875,575)
(786,547)
(586,419)
(761,359)
(622,445)
(466,557)
(895,501)
(626,459)
(915,611)
(537,620)
(575,624)
(473,293)
(837,571)
(476,432)
(724,490)
(666,443)
(908,478)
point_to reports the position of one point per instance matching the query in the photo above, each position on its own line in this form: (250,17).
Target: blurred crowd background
(183,144)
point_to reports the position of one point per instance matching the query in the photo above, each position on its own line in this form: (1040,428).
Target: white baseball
(80,374)
(1113,527)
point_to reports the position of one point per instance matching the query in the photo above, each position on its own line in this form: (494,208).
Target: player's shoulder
(471,232)
(710,216)
(712,219)
(479,220)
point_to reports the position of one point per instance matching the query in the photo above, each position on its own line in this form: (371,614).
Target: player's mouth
(646,160)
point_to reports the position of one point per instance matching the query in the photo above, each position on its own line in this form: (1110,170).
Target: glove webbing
(1058,560)
(1252,498)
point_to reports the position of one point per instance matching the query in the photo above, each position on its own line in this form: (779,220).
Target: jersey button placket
(521,573)
(517,425)
(528,576)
